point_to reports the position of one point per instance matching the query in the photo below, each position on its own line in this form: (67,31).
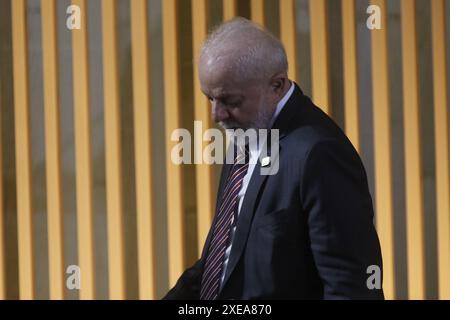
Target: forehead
(218,86)
(216,71)
(218,78)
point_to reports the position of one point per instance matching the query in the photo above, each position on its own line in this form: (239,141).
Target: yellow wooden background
(170,207)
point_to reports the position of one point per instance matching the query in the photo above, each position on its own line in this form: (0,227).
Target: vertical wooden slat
(382,142)
(23,150)
(83,164)
(2,214)
(257,11)
(413,166)
(441,106)
(143,153)
(52,145)
(320,69)
(113,148)
(229,9)
(350,68)
(288,35)
(175,200)
(204,172)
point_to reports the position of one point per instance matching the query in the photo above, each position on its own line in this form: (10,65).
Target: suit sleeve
(188,285)
(338,204)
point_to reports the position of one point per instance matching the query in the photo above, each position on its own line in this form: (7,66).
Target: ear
(278,83)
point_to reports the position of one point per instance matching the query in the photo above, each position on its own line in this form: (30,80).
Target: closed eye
(227,101)
(234,103)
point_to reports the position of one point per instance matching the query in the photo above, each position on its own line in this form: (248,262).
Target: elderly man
(305,232)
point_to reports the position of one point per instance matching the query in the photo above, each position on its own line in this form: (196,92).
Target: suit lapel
(251,199)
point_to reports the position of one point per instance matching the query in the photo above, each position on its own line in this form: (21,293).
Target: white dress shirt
(254,154)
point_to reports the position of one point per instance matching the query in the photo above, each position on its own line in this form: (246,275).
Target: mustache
(230,125)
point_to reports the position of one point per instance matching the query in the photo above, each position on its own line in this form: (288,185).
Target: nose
(219,112)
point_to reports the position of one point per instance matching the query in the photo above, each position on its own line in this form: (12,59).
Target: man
(305,232)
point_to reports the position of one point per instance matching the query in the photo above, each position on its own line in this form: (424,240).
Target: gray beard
(261,121)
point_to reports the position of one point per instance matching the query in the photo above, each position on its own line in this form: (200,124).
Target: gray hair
(251,51)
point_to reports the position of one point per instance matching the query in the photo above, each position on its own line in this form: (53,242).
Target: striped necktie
(225,220)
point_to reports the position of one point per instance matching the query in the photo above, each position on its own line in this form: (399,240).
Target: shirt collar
(281,104)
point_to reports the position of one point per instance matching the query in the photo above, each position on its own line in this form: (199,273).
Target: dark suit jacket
(306,232)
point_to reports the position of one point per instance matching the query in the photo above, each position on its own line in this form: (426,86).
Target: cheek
(249,109)
(257,103)
(246,112)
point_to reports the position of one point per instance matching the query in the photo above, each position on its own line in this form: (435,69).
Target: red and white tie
(226,218)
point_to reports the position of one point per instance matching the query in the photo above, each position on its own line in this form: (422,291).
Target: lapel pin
(265,161)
